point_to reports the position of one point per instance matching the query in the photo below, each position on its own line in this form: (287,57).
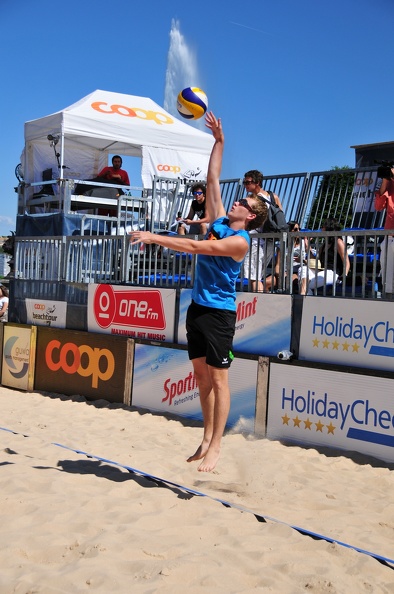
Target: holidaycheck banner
(348,332)
(330,408)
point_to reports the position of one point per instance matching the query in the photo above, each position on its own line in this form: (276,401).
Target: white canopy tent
(105,123)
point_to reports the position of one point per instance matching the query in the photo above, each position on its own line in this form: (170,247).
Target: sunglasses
(243,202)
(246,182)
(197,193)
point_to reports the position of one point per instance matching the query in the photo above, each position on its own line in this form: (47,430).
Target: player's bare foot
(210,460)
(200,452)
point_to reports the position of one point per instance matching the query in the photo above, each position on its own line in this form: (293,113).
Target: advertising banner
(18,360)
(42,312)
(263,325)
(329,408)
(173,164)
(363,192)
(164,381)
(132,311)
(92,365)
(348,332)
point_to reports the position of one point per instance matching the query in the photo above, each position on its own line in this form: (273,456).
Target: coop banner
(263,324)
(42,312)
(335,331)
(163,380)
(132,311)
(329,408)
(92,365)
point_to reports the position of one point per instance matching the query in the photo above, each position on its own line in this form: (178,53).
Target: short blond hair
(260,209)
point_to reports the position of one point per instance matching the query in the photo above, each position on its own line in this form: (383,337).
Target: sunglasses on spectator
(197,193)
(246,182)
(243,202)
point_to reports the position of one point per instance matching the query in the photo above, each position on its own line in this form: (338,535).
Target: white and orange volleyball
(192,103)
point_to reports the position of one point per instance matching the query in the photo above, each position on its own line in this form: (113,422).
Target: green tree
(333,198)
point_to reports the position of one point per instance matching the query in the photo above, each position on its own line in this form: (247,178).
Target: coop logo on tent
(16,357)
(359,419)
(172,168)
(346,335)
(99,364)
(139,308)
(133,112)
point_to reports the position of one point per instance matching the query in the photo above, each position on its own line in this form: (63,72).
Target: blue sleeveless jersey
(214,284)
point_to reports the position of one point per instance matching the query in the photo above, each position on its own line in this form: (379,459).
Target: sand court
(73,523)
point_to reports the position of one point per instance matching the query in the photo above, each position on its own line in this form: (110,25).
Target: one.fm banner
(348,332)
(163,381)
(263,324)
(321,407)
(147,313)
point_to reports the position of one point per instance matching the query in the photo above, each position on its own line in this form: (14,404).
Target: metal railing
(101,251)
(112,259)
(309,198)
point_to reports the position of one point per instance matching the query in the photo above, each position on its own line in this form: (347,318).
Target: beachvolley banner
(172,164)
(72,362)
(19,354)
(263,325)
(329,408)
(132,311)
(46,313)
(164,381)
(347,332)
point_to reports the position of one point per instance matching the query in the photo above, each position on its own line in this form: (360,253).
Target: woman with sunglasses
(211,316)
(196,222)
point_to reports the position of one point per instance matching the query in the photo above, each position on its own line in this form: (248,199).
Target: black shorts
(210,334)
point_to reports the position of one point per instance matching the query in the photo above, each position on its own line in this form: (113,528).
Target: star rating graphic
(307,424)
(335,345)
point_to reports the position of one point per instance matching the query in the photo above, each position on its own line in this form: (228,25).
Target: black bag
(276,220)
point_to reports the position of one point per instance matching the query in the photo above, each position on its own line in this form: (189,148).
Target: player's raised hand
(215,125)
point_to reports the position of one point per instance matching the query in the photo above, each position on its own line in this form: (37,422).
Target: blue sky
(295,83)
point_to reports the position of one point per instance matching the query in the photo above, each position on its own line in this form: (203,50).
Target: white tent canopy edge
(105,123)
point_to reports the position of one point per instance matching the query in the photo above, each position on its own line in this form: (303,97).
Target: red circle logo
(104,305)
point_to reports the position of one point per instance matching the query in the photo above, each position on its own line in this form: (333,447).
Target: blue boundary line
(261,518)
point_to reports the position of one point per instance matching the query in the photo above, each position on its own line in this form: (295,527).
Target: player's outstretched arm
(214,205)
(236,247)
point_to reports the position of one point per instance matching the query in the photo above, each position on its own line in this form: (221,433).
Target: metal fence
(112,259)
(102,253)
(346,194)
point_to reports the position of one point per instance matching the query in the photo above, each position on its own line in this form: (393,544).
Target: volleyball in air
(192,103)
